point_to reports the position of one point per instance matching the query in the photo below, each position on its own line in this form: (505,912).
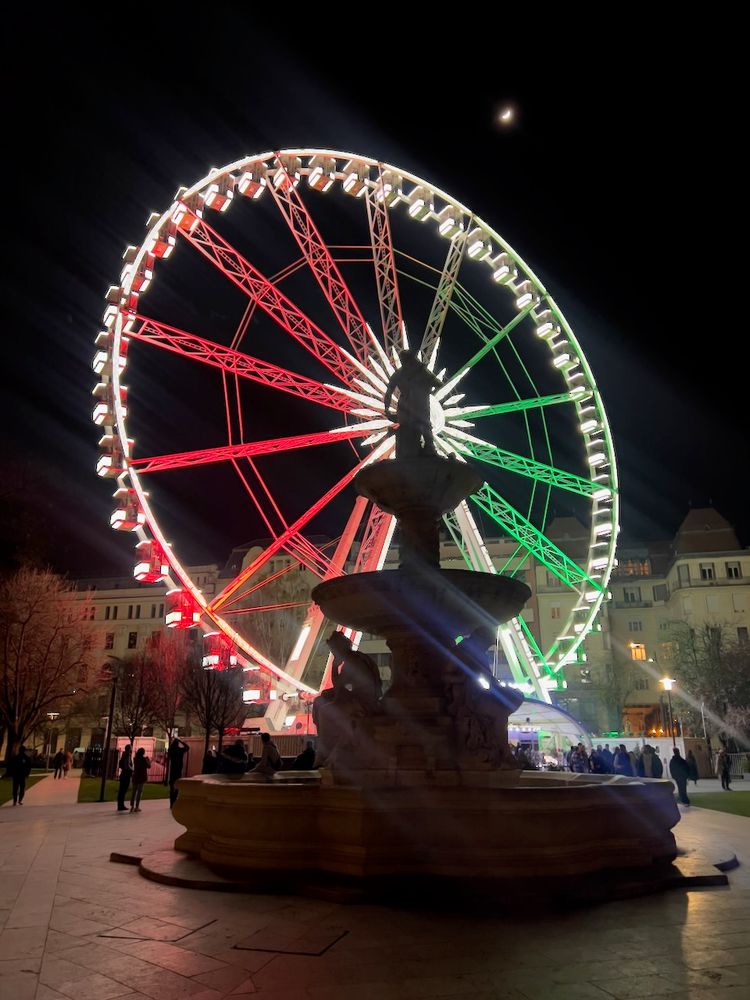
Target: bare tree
(714,670)
(137,695)
(200,696)
(173,655)
(46,642)
(229,708)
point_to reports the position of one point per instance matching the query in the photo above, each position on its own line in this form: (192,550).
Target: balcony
(632,604)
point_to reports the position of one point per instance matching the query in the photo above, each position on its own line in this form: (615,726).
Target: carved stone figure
(355,693)
(414,382)
(479,704)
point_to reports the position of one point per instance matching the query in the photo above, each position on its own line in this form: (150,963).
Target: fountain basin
(448,601)
(541,825)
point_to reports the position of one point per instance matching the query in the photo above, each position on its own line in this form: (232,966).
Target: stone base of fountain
(536,825)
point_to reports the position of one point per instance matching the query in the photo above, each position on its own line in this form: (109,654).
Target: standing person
(622,763)
(678,768)
(692,764)
(67,763)
(57,762)
(270,758)
(608,758)
(141,766)
(209,762)
(126,773)
(176,758)
(724,767)
(19,768)
(579,761)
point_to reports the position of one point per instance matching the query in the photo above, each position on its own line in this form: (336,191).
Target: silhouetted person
(414,382)
(232,759)
(209,762)
(141,766)
(725,770)
(270,758)
(176,757)
(305,761)
(678,768)
(126,773)
(19,768)
(57,762)
(622,763)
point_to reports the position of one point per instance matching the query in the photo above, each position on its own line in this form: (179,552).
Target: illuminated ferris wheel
(326,265)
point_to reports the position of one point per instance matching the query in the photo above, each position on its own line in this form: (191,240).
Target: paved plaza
(74,925)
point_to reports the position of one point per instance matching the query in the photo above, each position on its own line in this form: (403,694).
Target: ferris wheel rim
(197,188)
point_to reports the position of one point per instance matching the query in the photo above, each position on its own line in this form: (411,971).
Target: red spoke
(385,264)
(235,363)
(322,264)
(233,586)
(272,301)
(232,452)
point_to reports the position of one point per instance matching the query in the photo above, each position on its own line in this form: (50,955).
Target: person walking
(126,773)
(141,766)
(725,772)
(19,768)
(678,768)
(692,764)
(57,762)
(176,758)
(67,762)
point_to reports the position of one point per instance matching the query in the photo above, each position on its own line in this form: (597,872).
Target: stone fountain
(418,783)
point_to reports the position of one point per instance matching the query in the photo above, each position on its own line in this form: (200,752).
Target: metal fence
(92,764)
(739,765)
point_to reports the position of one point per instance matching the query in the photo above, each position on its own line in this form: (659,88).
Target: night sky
(619,185)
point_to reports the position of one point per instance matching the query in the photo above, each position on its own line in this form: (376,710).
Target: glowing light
(506,116)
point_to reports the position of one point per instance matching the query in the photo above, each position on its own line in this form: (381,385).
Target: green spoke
(510,462)
(516,525)
(524,404)
(500,334)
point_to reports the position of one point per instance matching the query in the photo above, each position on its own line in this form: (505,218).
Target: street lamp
(107,668)
(668,683)
(52,716)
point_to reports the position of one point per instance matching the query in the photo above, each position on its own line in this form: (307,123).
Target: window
(742,635)
(132,640)
(585,675)
(130,611)
(153,611)
(660,592)
(632,595)
(641,684)
(663,626)
(114,612)
(712,604)
(687,606)
(734,571)
(635,626)
(106,613)
(555,611)
(552,580)
(161,610)
(637,651)
(738,603)
(707,571)
(137,611)
(109,640)
(683,575)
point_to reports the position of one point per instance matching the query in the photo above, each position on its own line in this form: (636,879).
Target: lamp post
(110,721)
(52,716)
(668,683)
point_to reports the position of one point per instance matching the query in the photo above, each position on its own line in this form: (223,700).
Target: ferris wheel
(290,282)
